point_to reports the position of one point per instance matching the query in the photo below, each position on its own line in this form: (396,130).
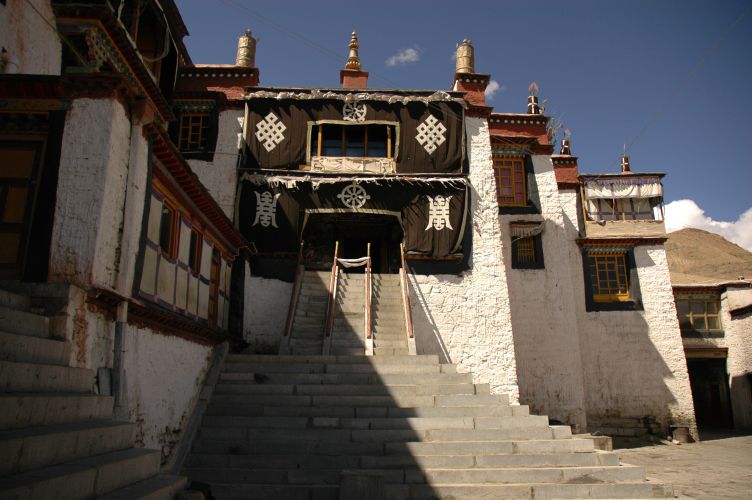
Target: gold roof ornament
(353,59)
(465,57)
(246,56)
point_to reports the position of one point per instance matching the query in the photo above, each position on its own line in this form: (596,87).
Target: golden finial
(353,60)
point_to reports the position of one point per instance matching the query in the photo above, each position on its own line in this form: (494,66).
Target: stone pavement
(719,467)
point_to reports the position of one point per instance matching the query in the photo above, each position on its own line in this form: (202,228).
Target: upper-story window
(510,181)
(355,141)
(699,314)
(194,131)
(609,277)
(623,198)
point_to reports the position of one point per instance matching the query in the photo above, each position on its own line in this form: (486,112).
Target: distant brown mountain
(699,257)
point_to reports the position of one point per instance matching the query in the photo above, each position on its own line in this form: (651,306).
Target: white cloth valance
(526,231)
(352,262)
(600,190)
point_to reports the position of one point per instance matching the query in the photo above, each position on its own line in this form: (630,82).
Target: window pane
(697,307)
(165,229)
(331,140)
(712,307)
(713,323)
(377,141)
(682,307)
(699,323)
(195,249)
(355,139)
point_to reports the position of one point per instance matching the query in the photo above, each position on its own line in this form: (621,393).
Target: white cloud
(686,213)
(493,88)
(404,56)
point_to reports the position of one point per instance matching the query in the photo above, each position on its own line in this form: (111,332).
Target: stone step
(32,377)
(351,379)
(313,314)
(29,410)
(425,359)
(84,478)
(240,406)
(498,447)
(389,351)
(27,349)
(498,491)
(36,447)
(383,369)
(159,487)
(380,435)
(414,475)
(282,461)
(13,300)
(24,323)
(391,401)
(241,387)
(229,491)
(346,350)
(380,342)
(407,423)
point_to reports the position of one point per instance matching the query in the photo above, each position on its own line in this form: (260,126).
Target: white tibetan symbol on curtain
(438,213)
(266,209)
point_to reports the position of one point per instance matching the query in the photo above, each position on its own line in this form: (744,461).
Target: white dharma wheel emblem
(353,196)
(354,112)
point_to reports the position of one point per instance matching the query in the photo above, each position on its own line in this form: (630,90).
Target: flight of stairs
(57,438)
(390,336)
(309,321)
(289,427)
(349,329)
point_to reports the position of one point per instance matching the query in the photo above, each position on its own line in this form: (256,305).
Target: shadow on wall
(425,329)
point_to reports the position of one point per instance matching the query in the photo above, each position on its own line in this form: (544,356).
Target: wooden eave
(81,15)
(629,241)
(181,172)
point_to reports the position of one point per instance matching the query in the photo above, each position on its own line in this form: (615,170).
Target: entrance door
(710,392)
(19,164)
(354,232)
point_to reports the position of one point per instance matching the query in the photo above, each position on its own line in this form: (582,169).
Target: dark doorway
(353,231)
(710,392)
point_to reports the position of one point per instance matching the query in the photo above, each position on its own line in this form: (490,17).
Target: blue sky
(605,69)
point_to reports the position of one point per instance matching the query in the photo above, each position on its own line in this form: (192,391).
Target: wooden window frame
(621,269)
(343,140)
(705,299)
(172,251)
(185,131)
(503,201)
(194,264)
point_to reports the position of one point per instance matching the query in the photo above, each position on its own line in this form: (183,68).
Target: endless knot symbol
(353,196)
(266,209)
(438,213)
(269,131)
(431,134)
(354,112)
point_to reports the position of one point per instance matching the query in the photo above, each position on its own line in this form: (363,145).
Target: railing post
(367,295)
(406,302)
(332,292)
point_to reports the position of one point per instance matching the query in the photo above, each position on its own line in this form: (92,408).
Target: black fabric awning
(432,214)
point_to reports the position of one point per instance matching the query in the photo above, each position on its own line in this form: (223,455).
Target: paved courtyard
(719,467)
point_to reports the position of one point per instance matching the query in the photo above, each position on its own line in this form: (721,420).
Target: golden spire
(353,60)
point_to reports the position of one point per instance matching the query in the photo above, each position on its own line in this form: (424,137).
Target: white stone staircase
(57,438)
(422,426)
(309,320)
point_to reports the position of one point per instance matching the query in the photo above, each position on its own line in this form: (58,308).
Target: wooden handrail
(405,294)
(294,292)
(368,292)
(332,292)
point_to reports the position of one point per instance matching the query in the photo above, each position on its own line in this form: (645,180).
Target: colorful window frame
(609,277)
(510,181)
(699,314)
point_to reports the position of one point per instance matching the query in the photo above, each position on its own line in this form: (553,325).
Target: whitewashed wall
(265,312)
(219,176)
(544,318)
(162,381)
(32,44)
(90,193)
(738,337)
(466,317)
(633,361)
